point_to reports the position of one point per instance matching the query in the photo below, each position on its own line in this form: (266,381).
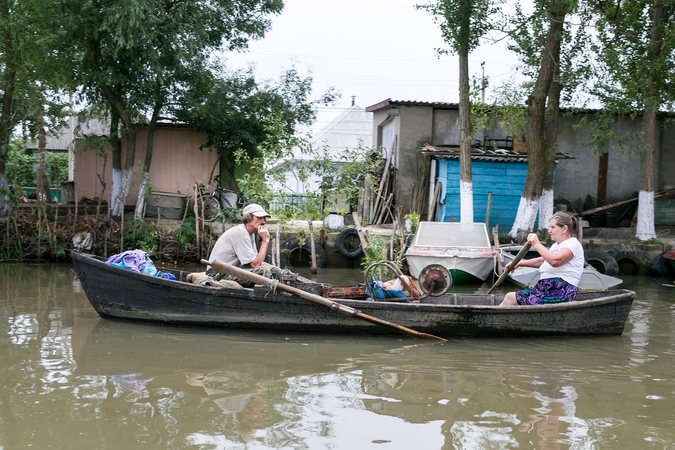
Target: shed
(501,172)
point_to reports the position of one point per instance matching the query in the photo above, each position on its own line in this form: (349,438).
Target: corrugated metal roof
(481,154)
(388,103)
(62,138)
(351,128)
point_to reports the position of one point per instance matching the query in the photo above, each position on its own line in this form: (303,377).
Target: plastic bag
(379,291)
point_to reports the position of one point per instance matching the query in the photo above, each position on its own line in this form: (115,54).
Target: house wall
(446,131)
(413,128)
(578,177)
(177,164)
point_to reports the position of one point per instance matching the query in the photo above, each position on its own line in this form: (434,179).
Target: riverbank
(62,230)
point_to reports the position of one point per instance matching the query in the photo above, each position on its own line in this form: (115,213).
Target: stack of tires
(298,253)
(622,259)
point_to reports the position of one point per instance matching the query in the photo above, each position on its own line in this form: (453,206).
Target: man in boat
(237,246)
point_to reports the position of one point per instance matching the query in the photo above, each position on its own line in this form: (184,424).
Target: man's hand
(263,233)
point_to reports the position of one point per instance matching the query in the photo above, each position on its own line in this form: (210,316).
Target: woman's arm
(555,259)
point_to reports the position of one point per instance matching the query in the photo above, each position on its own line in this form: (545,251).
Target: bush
(22,167)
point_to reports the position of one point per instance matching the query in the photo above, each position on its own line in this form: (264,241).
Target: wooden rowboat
(121,294)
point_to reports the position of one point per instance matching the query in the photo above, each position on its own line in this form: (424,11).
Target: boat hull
(464,269)
(120,294)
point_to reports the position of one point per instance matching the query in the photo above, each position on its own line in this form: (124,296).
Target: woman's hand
(532,239)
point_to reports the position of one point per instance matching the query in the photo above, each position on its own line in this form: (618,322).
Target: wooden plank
(602,178)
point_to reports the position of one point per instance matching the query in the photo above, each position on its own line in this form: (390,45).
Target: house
(613,175)
(178,164)
(350,130)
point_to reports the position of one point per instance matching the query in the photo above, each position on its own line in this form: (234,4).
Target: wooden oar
(512,265)
(229,269)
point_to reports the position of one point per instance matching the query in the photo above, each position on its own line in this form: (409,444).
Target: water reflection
(69,377)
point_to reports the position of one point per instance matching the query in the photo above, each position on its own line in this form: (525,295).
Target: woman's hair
(562,218)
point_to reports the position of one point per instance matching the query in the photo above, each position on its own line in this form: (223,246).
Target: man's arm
(262,251)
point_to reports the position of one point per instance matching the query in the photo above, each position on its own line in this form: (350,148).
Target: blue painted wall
(505,179)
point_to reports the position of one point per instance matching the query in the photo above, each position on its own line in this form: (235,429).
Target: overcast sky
(371,49)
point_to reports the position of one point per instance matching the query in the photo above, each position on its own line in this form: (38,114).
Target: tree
(250,122)
(636,42)
(542,112)
(31,80)
(10,82)
(137,56)
(463,23)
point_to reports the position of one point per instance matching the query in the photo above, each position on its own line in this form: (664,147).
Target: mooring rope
(272,286)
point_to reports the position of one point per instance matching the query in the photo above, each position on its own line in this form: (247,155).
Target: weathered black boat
(121,294)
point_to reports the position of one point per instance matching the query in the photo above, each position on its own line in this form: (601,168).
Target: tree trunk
(535,134)
(645,214)
(42,187)
(6,122)
(145,176)
(553,112)
(465,180)
(122,177)
(116,151)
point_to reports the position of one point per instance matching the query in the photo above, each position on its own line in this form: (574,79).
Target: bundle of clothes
(139,261)
(395,288)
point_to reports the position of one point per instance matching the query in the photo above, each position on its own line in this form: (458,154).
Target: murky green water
(72,381)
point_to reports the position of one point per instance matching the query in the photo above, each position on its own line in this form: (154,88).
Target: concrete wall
(413,128)
(578,177)
(177,164)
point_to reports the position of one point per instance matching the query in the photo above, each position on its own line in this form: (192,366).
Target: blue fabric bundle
(379,292)
(138,261)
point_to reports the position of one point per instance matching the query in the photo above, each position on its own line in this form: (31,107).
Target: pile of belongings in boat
(393,288)
(138,261)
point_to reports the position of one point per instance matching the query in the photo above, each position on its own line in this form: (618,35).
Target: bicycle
(220,199)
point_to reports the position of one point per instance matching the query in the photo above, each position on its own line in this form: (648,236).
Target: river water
(70,380)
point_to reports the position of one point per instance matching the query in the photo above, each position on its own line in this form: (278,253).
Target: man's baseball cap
(256,210)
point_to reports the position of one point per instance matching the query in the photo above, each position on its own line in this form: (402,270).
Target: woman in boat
(560,266)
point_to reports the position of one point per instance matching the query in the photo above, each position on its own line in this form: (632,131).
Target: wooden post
(391,244)
(489,207)
(495,238)
(196,208)
(363,236)
(67,192)
(385,175)
(311,244)
(278,246)
(76,205)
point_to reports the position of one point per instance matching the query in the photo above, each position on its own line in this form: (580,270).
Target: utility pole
(482,84)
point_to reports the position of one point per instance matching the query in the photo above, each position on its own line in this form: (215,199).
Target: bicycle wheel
(209,207)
